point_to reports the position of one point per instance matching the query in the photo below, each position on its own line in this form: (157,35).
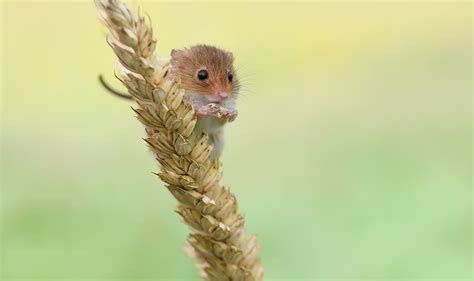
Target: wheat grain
(218,238)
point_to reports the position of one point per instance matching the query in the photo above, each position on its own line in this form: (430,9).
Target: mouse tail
(112,90)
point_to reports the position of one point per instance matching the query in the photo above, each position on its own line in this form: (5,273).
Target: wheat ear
(218,238)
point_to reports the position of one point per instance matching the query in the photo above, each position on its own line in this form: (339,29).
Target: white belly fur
(215,129)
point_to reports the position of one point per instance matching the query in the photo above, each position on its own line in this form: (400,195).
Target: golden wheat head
(218,238)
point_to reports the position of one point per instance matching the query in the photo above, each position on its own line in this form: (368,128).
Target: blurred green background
(351,156)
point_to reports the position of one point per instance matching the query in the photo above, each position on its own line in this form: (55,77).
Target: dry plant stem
(218,238)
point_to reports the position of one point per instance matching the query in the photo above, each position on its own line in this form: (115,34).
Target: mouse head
(206,71)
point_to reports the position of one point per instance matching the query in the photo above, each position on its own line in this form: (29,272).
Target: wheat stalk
(218,238)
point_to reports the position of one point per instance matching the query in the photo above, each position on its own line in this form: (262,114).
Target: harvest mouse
(208,77)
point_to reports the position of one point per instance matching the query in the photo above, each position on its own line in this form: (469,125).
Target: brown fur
(186,64)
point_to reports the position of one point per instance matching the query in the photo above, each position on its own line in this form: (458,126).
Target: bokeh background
(351,157)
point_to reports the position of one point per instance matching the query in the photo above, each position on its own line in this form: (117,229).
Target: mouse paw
(210,109)
(231,115)
(204,111)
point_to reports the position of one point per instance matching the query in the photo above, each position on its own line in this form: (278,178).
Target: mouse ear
(175,52)
(230,55)
(175,56)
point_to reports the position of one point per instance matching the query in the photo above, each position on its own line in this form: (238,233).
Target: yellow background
(351,156)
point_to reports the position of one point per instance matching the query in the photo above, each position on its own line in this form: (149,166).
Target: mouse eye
(202,74)
(230,76)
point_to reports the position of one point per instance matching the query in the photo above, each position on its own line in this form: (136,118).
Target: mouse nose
(223,95)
